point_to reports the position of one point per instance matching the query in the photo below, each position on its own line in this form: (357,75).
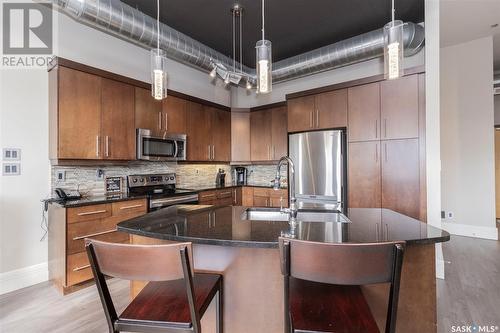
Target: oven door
(157,148)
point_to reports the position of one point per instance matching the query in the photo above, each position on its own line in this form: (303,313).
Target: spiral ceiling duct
(121,20)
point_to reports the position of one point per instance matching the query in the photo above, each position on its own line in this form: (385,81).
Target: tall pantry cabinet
(386,142)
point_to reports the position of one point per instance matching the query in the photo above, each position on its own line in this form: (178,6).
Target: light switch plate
(11,154)
(11,169)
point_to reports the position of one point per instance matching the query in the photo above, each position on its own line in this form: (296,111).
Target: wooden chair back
(345,264)
(141,263)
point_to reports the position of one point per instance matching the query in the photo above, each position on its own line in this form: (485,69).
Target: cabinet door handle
(106,148)
(213,152)
(92,212)
(97,146)
(317,118)
(385,127)
(159,120)
(310,119)
(166,121)
(209,155)
(385,150)
(376,128)
(376,152)
(76,269)
(95,234)
(131,206)
(235,197)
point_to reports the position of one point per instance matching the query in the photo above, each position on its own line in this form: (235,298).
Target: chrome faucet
(292,210)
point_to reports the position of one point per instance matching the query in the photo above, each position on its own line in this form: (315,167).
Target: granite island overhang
(245,253)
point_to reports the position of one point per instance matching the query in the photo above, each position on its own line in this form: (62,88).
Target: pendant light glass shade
(393,49)
(263,50)
(158,74)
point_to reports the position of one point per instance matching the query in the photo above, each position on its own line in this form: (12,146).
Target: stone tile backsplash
(84,178)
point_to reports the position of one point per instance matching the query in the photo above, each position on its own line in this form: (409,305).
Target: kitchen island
(246,253)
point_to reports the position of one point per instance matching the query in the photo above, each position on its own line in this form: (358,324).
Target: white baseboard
(471,230)
(23,277)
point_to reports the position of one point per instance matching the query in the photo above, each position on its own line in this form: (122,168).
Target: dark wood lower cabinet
(401,176)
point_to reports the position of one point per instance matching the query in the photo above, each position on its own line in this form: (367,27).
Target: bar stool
(173,301)
(322,284)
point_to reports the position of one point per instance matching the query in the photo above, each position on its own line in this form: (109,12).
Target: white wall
(467,138)
(242,99)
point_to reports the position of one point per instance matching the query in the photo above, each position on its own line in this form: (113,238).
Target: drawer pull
(207,195)
(95,234)
(131,206)
(225,193)
(76,269)
(93,212)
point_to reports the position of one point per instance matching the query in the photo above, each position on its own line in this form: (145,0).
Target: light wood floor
(470,294)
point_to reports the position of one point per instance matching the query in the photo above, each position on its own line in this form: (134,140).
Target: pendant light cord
(234,40)
(392,12)
(241,41)
(158,25)
(263,22)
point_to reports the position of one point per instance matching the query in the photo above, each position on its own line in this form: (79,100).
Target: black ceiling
(293,26)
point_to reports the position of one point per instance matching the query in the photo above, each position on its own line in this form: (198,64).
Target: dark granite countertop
(96,200)
(224,226)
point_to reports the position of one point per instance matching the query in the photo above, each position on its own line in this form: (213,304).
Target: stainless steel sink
(270,214)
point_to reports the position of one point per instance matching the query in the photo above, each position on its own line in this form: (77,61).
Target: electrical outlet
(60,175)
(443,214)
(99,174)
(450,215)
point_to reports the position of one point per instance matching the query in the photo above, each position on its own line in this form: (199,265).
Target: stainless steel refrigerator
(320,169)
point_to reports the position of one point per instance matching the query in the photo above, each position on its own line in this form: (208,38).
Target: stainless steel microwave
(166,147)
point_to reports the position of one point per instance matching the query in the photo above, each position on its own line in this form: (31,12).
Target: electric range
(160,189)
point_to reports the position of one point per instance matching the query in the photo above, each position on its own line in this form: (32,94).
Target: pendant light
(158,65)
(264,62)
(393,48)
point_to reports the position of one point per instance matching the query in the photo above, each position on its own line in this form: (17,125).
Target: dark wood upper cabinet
(147,110)
(209,133)
(301,114)
(174,116)
(279,134)
(261,135)
(76,114)
(118,126)
(321,111)
(364,178)
(199,125)
(331,109)
(364,112)
(401,176)
(268,134)
(221,135)
(399,108)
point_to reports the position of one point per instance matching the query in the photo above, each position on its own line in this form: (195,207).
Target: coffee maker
(240,175)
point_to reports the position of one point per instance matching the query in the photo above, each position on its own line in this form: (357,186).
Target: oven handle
(172,201)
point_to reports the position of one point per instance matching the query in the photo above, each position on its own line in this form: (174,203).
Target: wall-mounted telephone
(61,194)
